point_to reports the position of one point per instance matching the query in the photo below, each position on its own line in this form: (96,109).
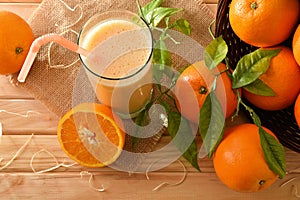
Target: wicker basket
(281,122)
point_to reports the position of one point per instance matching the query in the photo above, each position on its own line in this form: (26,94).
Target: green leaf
(149,7)
(260,88)
(140,121)
(251,66)
(191,155)
(161,55)
(179,128)
(183,26)
(255,118)
(215,52)
(274,153)
(253,115)
(161,59)
(179,125)
(158,14)
(211,123)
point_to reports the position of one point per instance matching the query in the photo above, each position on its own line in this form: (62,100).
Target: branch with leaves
(245,75)
(157,16)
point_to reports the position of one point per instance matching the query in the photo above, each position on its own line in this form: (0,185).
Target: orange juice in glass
(119,65)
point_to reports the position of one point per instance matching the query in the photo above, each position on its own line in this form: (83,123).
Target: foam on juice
(124,64)
(127,95)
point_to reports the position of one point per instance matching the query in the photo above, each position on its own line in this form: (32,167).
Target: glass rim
(140,67)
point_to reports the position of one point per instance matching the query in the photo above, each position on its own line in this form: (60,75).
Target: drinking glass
(119,63)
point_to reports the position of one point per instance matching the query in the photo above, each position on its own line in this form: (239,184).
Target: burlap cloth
(54,87)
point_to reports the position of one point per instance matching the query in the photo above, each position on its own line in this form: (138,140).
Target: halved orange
(91,135)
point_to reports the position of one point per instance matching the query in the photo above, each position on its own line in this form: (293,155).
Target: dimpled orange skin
(263,23)
(16,37)
(296,45)
(297,110)
(189,98)
(239,161)
(283,77)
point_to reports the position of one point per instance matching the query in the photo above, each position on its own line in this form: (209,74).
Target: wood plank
(26,116)
(210,1)
(24,10)
(21,114)
(10,91)
(21,1)
(212,7)
(10,144)
(39,1)
(119,185)
(19,182)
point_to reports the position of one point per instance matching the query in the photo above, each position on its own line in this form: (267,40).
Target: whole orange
(263,23)
(16,37)
(195,83)
(296,44)
(297,110)
(239,160)
(283,77)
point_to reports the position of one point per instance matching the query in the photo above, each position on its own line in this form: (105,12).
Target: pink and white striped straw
(42,40)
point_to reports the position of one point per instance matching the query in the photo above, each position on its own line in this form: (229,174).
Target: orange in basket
(91,135)
(281,122)
(263,23)
(16,37)
(296,45)
(239,160)
(283,77)
(297,110)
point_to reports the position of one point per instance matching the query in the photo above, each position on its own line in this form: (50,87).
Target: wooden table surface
(21,116)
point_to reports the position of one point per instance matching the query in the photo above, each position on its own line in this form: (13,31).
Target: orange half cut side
(91,135)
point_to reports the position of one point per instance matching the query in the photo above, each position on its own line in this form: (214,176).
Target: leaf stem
(239,99)
(210,29)
(140,9)
(253,115)
(250,110)
(164,34)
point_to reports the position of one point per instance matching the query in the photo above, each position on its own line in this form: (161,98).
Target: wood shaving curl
(26,115)
(16,154)
(294,187)
(102,189)
(164,184)
(58,165)
(71,9)
(61,66)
